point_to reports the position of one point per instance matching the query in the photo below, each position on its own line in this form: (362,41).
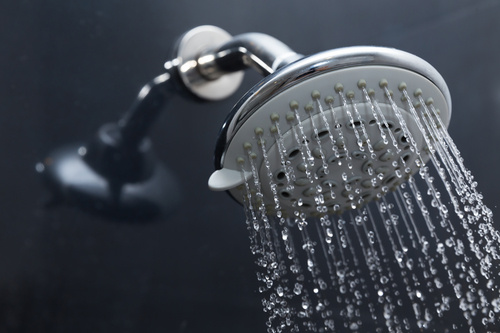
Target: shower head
(331,131)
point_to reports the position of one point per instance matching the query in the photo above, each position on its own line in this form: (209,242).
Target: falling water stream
(422,256)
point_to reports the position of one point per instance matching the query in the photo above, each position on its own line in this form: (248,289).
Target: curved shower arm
(135,123)
(119,150)
(259,51)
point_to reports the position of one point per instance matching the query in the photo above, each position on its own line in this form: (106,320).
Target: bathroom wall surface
(66,67)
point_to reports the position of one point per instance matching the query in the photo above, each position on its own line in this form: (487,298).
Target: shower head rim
(317,64)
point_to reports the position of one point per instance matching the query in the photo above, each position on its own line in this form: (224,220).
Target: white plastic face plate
(358,170)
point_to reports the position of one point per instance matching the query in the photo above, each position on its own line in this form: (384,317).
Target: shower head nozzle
(331,131)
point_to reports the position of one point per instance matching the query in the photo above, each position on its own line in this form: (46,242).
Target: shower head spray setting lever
(116,173)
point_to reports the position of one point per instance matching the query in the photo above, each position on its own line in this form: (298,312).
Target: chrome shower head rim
(317,64)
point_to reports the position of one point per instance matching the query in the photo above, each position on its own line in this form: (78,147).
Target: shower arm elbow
(210,63)
(263,53)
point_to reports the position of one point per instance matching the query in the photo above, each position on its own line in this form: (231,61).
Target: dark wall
(66,67)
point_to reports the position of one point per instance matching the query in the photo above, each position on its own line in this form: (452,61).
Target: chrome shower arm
(259,51)
(135,123)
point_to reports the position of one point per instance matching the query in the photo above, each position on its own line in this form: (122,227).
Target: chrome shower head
(328,133)
(331,131)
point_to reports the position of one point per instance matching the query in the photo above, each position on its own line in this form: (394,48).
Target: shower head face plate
(348,173)
(340,163)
